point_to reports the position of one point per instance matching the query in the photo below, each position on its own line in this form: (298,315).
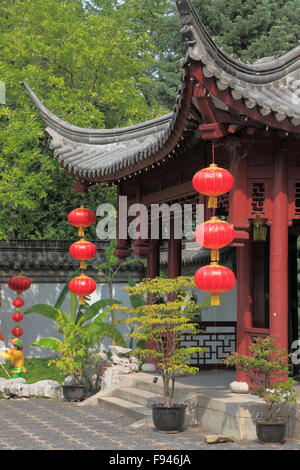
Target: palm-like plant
(86,317)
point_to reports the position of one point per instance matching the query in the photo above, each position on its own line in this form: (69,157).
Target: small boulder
(218,438)
(119,351)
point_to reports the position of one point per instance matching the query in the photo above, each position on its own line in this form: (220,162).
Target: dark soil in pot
(271,431)
(168,418)
(74,392)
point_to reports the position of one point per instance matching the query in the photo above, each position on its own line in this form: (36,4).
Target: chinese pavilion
(252,114)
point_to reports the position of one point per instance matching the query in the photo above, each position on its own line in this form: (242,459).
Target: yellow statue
(16,357)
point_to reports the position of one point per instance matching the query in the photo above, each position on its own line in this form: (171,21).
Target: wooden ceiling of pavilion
(217,97)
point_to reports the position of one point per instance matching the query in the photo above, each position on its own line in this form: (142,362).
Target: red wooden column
(153,269)
(121,247)
(153,261)
(174,254)
(279,252)
(244,300)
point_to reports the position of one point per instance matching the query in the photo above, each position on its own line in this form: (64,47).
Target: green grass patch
(37,369)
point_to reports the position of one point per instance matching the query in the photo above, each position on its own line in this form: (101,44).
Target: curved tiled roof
(102,154)
(98,155)
(272,84)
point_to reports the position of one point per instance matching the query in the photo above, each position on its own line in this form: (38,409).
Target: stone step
(157,388)
(118,405)
(139,396)
(149,386)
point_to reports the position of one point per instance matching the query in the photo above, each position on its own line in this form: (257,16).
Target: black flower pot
(74,392)
(168,418)
(271,431)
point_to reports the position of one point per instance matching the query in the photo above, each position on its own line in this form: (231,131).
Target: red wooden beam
(238,105)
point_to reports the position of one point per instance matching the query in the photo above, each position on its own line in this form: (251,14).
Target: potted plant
(75,352)
(160,322)
(267,369)
(81,329)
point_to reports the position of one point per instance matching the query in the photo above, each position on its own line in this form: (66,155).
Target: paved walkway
(43,424)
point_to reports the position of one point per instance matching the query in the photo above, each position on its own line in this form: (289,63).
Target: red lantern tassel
(212,202)
(82,264)
(215,300)
(215,255)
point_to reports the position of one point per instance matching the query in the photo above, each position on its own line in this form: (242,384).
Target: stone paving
(44,424)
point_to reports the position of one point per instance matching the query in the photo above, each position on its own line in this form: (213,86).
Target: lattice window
(219,338)
(297,198)
(223,206)
(258,195)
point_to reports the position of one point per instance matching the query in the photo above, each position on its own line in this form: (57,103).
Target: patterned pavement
(43,424)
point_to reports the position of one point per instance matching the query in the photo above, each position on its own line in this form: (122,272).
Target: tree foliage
(102,64)
(167,313)
(90,71)
(265,364)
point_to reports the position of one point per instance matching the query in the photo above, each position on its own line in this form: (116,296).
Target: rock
(70,380)
(104,366)
(7,382)
(124,361)
(43,388)
(148,367)
(218,438)
(239,387)
(113,376)
(119,351)
(102,356)
(93,375)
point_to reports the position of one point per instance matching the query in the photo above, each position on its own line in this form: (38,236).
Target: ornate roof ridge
(272,86)
(98,155)
(97,136)
(202,46)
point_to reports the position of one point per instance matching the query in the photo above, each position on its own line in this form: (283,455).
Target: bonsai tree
(266,368)
(160,321)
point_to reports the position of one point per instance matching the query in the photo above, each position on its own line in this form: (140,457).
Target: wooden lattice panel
(297,199)
(219,339)
(258,196)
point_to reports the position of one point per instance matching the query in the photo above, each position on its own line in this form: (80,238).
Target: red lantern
(215,280)
(18,303)
(17,331)
(19,283)
(214,235)
(17,317)
(82,250)
(82,286)
(213,181)
(81,218)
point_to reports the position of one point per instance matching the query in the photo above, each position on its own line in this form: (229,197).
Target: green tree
(245,29)
(88,70)
(252,29)
(162,322)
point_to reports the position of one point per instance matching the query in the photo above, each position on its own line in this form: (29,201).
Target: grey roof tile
(272,84)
